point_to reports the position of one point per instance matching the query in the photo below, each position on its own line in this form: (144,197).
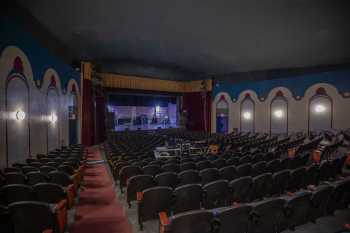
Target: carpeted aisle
(99,210)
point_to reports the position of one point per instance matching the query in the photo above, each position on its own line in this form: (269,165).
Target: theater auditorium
(160,116)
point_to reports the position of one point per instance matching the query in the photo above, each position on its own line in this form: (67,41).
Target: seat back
(17,192)
(296,179)
(209,174)
(274,166)
(216,194)
(15,178)
(32,217)
(189,177)
(219,163)
(280,181)
(319,201)
(187,166)
(198,221)
(244,169)
(298,209)
(228,173)
(26,169)
(258,168)
(240,215)
(60,178)
(151,170)
(241,189)
(187,197)
(35,177)
(49,192)
(136,184)
(171,167)
(262,185)
(312,175)
(169,179)
(47,169)
(203,165)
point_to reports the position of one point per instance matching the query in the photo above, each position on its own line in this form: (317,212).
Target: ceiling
(184,39)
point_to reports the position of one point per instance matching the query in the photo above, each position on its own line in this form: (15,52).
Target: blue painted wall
(296,84)
(13,34)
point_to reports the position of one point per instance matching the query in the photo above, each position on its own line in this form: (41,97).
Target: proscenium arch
(245,100)
(17,74)
(320,95)
(279,97)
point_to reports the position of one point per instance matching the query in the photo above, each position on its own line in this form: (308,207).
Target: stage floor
(145,127)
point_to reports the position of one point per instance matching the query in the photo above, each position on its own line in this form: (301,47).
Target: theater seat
(204,165)
(241,189)
(219,163)
(152,201)
(340,196)
(189,177)
(258,168)
(228,173)
(127,172)
(6,225)
(26,169)
(171,167)
(262,186)
(319,201)
(169,179)
(244,169)
(209,174)
(187,166)
(198,221)
(233,219)
(296,179)
(312,175)
(274,166)
(187,197)
(216,194)
(15,178)
(280,182)
(268,216)
(34,217)
(137,184)
(151,170)
(325,170)
(35,178)
(17,192)
(298,208)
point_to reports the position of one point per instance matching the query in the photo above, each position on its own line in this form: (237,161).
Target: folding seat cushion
(47,169)
(245,159)
(262,186)
(17,192)
(15,178)
(258,168)
(34,217)
(216,194)
(152,201)
(197,221)
(187,197)
(209,174)
(232,161)
(325,170)
(296,179)
(12,169)
(137,184)
(244,169)
(219,163)
(26,169)
(204,165)
(36,177)
(151,170)
(127,172)
(228,173)
(319,201)
(298,208)
(280,182)
(169,179)
(233,219)
(241,189)
(268,216)
(274,166)
(171,167)
(312,175)
(339,198)
(188,166)
(189,177)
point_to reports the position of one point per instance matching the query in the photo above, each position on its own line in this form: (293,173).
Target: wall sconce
(319,108)
(247,115)
(20,115)
(278,113)
(53,118)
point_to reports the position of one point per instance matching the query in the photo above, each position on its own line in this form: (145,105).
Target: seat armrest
(290,194)
(139,196)
(48,231)
(163,218)
(311,188)
(62,216)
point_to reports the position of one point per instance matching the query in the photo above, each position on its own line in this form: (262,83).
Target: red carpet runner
(98,210)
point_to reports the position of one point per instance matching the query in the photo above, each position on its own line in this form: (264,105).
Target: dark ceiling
(185,39)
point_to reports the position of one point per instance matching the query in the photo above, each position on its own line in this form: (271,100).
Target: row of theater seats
(36,199)
(228,185)
(268,216)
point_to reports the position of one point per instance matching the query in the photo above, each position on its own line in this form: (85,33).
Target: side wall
(27,73)
(298,92)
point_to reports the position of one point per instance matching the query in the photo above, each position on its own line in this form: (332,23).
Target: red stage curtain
(193,104)
(87,129)
(100,119)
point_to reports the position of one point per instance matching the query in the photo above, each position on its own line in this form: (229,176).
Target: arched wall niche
(279,114)
(222,115)
(73,105)
(17,123)
(320,111)
(247,114)
(215,101)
